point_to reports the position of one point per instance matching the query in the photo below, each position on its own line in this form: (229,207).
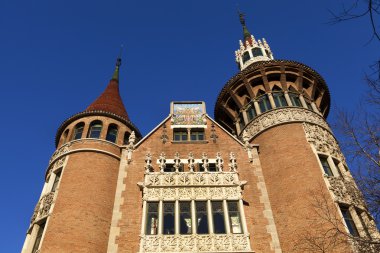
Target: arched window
(251,113)
(112,133)
(126,138)
(294,97)
(78,131)
(246,57)
(279,98)
(95,129)
(263,101)
(256,52)
(64,136)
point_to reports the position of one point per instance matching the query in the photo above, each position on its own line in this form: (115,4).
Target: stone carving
(281,116)
(43,206)
(322,140)
(191,162)
(162,161)
(213,135)
(195,243)
(219,162)
(345,191)
(59,152)
(164,136)
(204,161)
(148,163)
(177,162)
(232,165)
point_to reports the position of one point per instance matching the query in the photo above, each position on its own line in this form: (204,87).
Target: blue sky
(56,57)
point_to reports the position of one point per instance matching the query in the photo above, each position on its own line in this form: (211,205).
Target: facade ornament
(213,135)
(191,163)
(131,146)
(247,145)
(219,162)
(232,165)
(204,161)
(164,136)
(148,163)
(162,162)
(177,162)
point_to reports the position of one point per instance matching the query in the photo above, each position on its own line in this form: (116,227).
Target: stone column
(303,102)
(271,100)
(176,217)
(257,107)
(209,216)
(242,217)
(143,223)
(287,98)
(226,220)
(193,218)
(160,217)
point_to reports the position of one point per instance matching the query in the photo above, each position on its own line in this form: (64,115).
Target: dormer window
(257,52)
(180,134)
(246,57)
(197,134)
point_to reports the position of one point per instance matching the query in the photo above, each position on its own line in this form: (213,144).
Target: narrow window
(200,167)
(197,134)
(218,217)
(78,130)
(152,218)
(37,242)
(241,121)
(336,162)
(295,99)
(349,221)
(326,166)
(256,52)
(95,130)
(279,99)
(264,103)
(64,136)
(202,222)
(112,133)
(168,218)
(251,113)
(180,134)
(126,138)
(56,181)
(185,222)
(308,104)
(234,216)
(246,57)
(169,167)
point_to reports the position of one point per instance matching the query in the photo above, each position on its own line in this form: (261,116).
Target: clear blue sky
(56,57)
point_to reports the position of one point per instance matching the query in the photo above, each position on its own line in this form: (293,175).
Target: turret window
(126,138)
(78,131)
(246,57)
(295,99)
(112,133)
(326,166)
(257,52)
(95,130)
(349,221)
(251,113)
(279,99)
(264,103)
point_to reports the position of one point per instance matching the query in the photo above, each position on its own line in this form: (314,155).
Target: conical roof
(110,100)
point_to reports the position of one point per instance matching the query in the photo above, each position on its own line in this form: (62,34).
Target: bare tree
(360,141)
(360,9)
(327,232)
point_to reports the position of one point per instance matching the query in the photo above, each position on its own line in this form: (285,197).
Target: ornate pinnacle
(246,33)
(115,75)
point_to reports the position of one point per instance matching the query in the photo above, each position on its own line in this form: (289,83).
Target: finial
(246,33)
(115,75)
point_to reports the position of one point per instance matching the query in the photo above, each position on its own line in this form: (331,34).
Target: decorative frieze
(43,206)
(280,116)
(322,140)
(59,152)
(345,191)
(195,243)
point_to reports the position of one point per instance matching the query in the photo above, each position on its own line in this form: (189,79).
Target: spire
(246,33)
(115,75)
(110,100)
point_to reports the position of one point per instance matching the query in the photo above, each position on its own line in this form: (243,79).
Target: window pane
(264,103)
(251,112)
(212,167)
(95,131)
(295,99)
(246,57)
(38,237)
(152,218)
(169,167)
(168,218)
(279,99)
(349,221)
(234,215)
(78,132)
(218,217)
(202,223)
(326,166)
(185,217)
(197,135)
(112,134)
(56,181)
(256,52)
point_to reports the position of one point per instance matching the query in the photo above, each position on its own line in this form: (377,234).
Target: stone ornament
(281,116)
(213,135)
(345,191)
(43,206)
(164,136)
(195,243)
(323,140)
(232,165)
(59,152)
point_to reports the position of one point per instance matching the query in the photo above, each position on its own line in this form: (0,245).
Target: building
(240,183)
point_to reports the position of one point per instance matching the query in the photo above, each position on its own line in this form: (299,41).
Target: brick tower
(81,178)
(243,182)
